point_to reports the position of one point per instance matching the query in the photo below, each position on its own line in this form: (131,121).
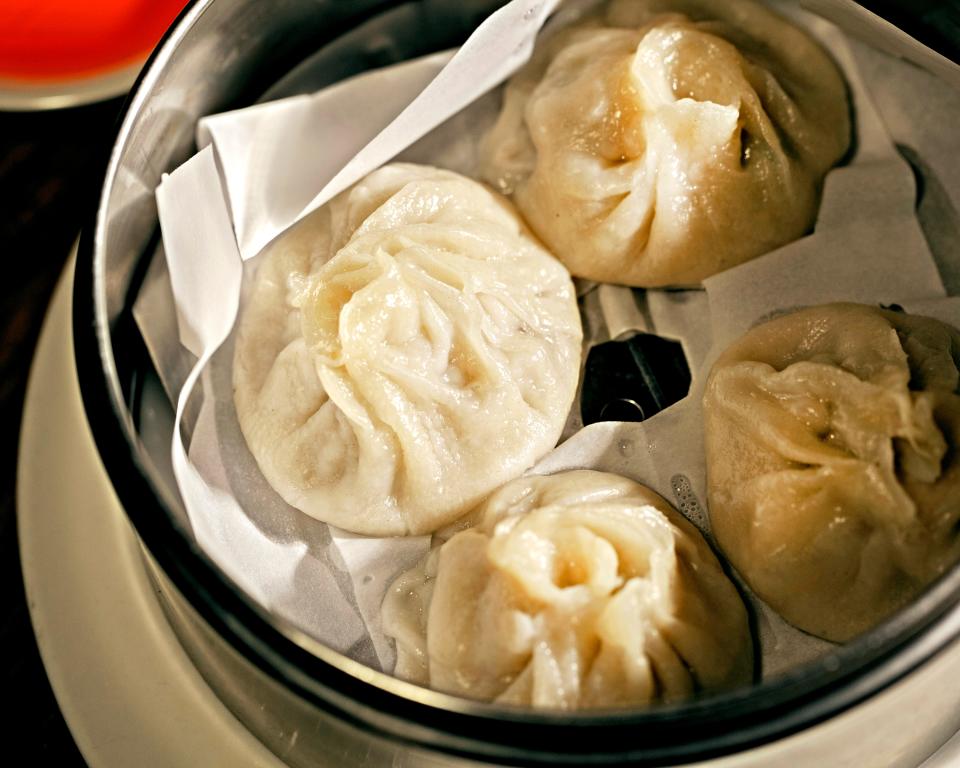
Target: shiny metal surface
(227,53)
(302,735)
(900,728)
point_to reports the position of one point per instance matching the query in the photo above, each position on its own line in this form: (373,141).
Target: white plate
(128,692)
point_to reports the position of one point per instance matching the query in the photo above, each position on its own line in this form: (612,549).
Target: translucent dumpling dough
(662,141)
(576,590)
(833,479)
(403,352)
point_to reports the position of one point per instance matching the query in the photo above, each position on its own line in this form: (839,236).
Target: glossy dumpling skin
(577,590)
(403,352)
(833,479)
(662,141)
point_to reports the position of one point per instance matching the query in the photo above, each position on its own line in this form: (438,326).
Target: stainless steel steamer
(888,698)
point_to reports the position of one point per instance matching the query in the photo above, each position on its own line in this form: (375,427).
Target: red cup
(55,46)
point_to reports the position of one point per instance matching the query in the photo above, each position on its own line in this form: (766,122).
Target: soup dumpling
(403,352)
(659,142)
(576,590)
(832,466)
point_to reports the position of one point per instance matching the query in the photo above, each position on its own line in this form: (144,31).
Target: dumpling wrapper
(576,590)
(403,352)
(664,141)
(833,477)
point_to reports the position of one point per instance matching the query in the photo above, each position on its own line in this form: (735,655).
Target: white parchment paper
(261,169)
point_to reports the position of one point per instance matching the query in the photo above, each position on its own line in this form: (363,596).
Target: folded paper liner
(259,171)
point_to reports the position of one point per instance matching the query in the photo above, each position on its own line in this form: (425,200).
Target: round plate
(127,690)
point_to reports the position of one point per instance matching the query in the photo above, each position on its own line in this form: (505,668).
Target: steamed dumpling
(832,465)
(662,141)
(403,352)
(576,590)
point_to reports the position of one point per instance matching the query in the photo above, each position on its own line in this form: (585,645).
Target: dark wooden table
(50,163)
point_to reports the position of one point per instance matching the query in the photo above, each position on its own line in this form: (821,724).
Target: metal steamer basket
(883,697)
